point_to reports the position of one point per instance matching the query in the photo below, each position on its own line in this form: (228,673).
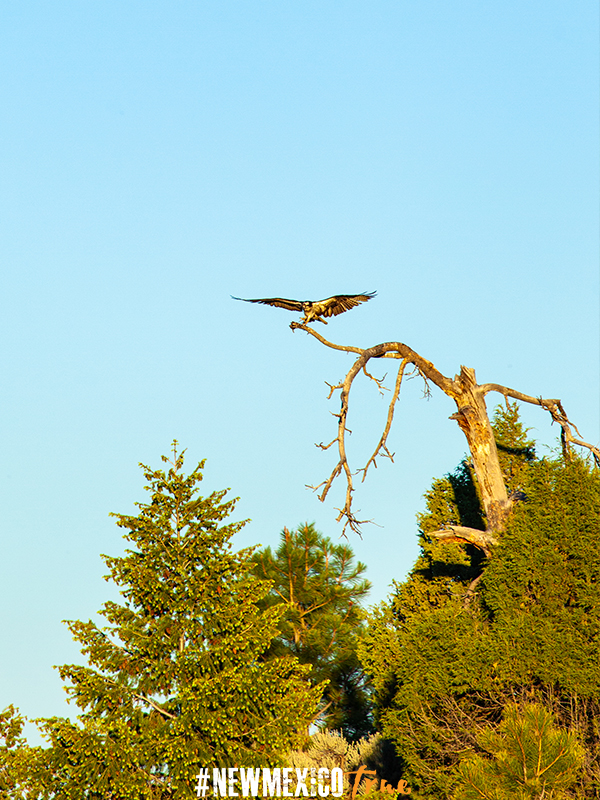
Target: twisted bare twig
(556,411)
(382,445)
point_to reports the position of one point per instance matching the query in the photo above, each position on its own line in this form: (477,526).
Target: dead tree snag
(472,418)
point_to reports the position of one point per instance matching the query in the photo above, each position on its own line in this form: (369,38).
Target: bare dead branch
(351,521)
(332,388)
(392,350)
(378,381)
(346,348)
(382,444)
(426,387)
(326,446)
(327,483)
(342,464)
(462,535)
(556,411)
(387,349)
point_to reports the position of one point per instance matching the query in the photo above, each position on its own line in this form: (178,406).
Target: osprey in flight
(315,309)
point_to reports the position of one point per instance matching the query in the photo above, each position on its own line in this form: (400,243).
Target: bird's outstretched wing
(339,303)
(279,302)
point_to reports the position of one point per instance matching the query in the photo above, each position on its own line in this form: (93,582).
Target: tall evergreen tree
(447,662)
(177,678)
(318,586)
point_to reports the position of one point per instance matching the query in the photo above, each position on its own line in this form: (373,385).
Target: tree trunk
(473,420)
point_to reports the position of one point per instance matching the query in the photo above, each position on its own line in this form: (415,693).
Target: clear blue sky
(157,157)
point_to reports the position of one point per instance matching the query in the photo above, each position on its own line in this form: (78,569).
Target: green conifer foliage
(515,450)
(177,678)
(446,665)
(16,758)
(318,586)
(526,758)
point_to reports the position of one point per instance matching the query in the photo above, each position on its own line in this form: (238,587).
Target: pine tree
(446,665)
(177,679)
(526,758)
(318,586)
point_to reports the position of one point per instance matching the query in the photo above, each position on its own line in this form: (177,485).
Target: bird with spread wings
(315,310)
